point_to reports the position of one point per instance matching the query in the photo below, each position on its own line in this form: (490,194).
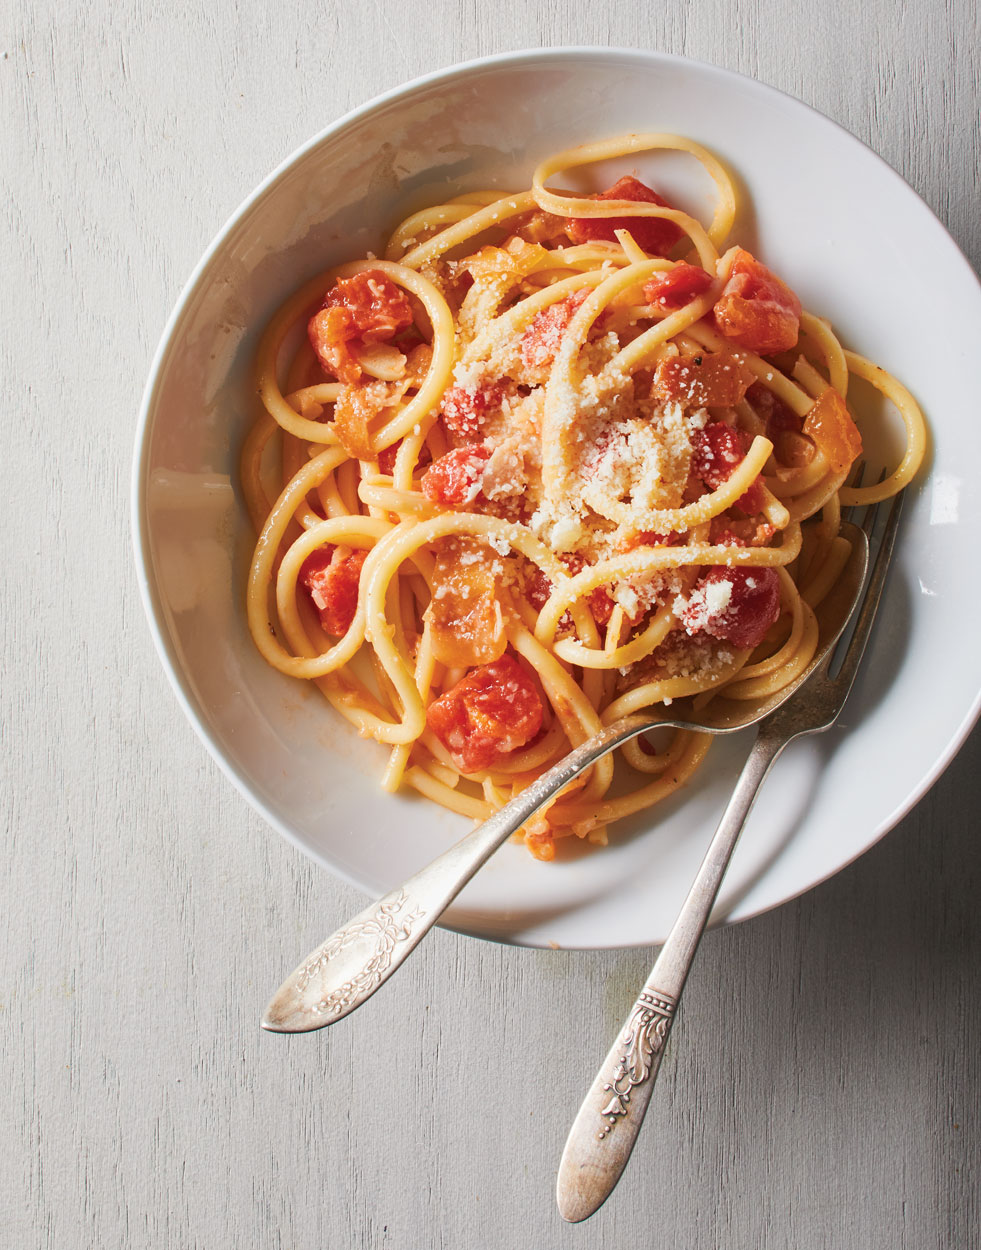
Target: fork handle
(345,971)
(604,1131)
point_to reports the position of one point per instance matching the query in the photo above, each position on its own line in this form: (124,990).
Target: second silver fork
(604,1131)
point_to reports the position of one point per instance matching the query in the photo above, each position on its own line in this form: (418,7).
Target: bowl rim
(149,592)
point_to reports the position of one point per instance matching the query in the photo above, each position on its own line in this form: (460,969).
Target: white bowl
(828,215)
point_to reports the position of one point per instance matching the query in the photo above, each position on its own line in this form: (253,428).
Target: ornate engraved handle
(348,967)
(361,956)
(634,1059)
(604,1131)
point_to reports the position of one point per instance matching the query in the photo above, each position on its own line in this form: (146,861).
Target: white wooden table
(822,1090)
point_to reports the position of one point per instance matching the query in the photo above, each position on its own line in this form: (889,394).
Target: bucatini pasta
(552,459)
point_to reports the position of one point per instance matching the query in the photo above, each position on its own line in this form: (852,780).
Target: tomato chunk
(368,308)
(710,379)
(677,287)
(718,450)
(464,408)
(358,404)
(542,339)
(756,309)
(332,576)
(454,479)
(653,234)
(465,617)
(377,307)
(737,605)
(834,432)
(330,331)
(494,710)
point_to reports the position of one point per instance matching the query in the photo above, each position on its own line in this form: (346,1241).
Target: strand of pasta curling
(686,752)
(706,242)
(587,153)
(446,240)
(371,619)
(916,434)
(426,400)
(260,575)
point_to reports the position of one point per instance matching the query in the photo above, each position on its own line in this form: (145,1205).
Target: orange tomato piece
(539,227)
(465,616)
(368,308)
(330,332)
(515,260)
(834,432)
(756,309)
(710,379)
(356,407)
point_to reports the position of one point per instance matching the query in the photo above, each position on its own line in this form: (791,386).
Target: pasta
(552,459)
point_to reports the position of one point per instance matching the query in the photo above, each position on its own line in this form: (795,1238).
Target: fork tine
(850,513)
(872,511)
(870,519)
(873,593)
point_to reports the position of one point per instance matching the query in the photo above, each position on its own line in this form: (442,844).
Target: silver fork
(346,969)
(604,1131)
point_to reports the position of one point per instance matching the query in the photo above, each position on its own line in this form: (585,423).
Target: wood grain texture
(821,1089)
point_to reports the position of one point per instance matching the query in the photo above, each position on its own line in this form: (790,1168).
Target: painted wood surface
(821,1088)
